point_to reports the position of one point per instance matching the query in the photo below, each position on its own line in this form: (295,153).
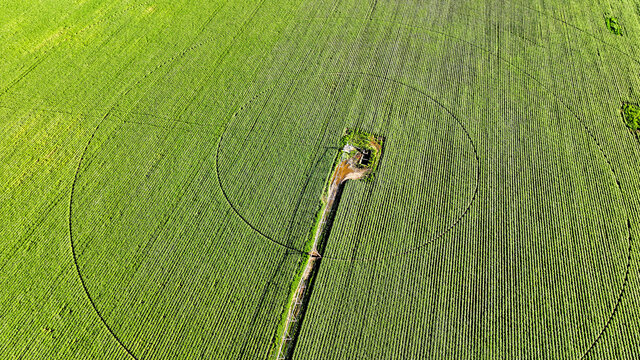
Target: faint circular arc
(591,135)
(73,248)
(559,99)
(380,258)
(429,30)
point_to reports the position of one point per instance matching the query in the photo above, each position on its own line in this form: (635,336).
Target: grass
(498,224)
(277,340)
(365,141)
(631,115)
(613,25)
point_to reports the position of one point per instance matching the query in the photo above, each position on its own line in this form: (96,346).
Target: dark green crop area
(631,114)
(162,165)
(613,25)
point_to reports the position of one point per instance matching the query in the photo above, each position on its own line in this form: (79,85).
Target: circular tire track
(589,132)
(554,95)
(73,247)
(72,242)
(551,93)
(114,108)
(440,234)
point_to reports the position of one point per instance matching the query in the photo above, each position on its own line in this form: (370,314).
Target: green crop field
(163,165)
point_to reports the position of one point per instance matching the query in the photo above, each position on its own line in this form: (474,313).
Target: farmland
(163,166)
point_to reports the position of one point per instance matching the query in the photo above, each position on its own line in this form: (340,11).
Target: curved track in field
(603,154)
(591,135)
(558,98)
(73,248)
(464,212)
(551,93)
(194,45)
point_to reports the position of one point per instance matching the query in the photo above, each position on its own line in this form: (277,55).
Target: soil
(346,170)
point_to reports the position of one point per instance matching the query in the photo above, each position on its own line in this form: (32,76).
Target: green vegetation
(613,25)
(141,219)
(364,141)
(276,339)
(631,115)
(357,138)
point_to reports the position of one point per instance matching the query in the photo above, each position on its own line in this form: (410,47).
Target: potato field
(164,168)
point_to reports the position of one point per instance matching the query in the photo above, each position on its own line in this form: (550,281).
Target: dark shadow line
(440,235)
(260,302)
(73,248)
(553,95)
(475,152)
(373,9)
(618,300)
(464,213)
(240,216)
(301,195)
(114,109)
(71,239)
(289,352)
(224,194)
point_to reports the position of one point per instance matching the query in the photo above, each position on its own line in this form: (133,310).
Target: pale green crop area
(162,162)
